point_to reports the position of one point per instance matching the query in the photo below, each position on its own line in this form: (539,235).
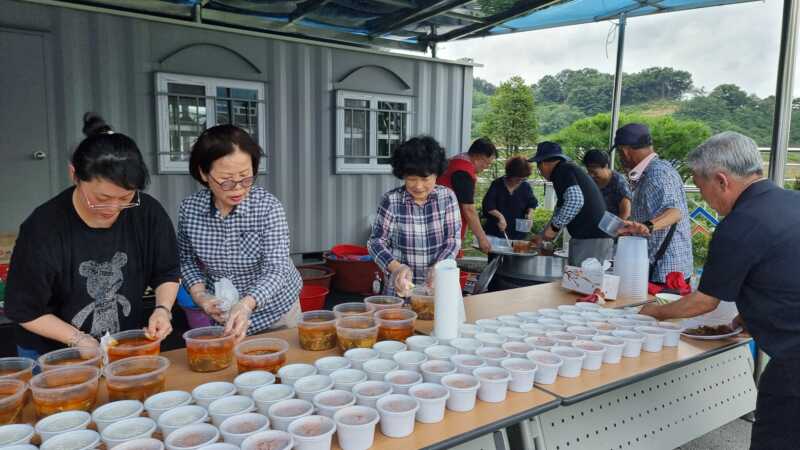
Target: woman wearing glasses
(232,229)
(84,258)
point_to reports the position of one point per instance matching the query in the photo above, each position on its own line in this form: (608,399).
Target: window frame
(210,84)
(373,167)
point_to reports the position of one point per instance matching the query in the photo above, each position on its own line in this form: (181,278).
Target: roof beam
(519,8)
(398,21)
(410,5)
(628,9)
(307,7)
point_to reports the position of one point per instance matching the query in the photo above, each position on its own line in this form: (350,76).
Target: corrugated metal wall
(106,63)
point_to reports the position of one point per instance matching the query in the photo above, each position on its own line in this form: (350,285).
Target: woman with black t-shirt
(83,259)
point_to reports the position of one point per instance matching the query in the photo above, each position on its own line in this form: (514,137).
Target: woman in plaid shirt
(418,224)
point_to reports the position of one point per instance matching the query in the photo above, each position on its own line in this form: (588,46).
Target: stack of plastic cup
(632,265)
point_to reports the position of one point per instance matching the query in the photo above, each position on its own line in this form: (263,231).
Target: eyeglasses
(229,185)
(99,206)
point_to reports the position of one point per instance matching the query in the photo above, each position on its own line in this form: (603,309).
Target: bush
(700,242)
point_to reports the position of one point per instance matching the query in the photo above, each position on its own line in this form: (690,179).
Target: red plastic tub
(346,250)
(352,277)
(463,278)
(312,298)
(316,275)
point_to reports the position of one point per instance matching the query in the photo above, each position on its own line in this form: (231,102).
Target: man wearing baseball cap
(579,207)
(659,208)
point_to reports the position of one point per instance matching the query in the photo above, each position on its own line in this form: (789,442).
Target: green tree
(553,117)
(483,86)
(655,83)
(511,120)
(549,90)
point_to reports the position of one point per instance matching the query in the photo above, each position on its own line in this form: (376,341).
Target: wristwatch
(554,228)
(649,225)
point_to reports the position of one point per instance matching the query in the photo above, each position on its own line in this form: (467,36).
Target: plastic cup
(246,383)
(128,430)
(594,353)
(13,392)
(582,332)
(673,333)
(73,440)
(422,302)
(226,407)
(141,444)
(369,392)
(328,402)
(432,399)
(397,415)
(588,306)
(15,434)
(317,330)
(410,360)
(208,392)
(562,338)
(492,355)
(610,224)
(547,365)
(208,349)
(468,330)
(307,387)
(623,324)
(573,361)
(528,316)
(441,352)
(330,364)
(160,403)
(614,347)
(358,356)
(132,343)
(510,320)
(420,343)
(491,339)
(395,324)
(285,412)
(653,338)
(220,446)
(611,313)
(465,364)
(356,332)
(65,389)
(377,369)
(463,391)
(573,320)
(181,416)
(381,302)
(533,329)
(270,439)
(267,396)
(494,383)
(353,309)
(236,429)
(192,437)
(543,343)
(551,324)
(345,379)
(633,342)
(466,346)
(434,370)
(642,319)
(402,380)
(517,349)
(115,411)
(312,433)
(71,357)
(355,427)
(261,354)
(136,378)
(488,325)
(63,422)
(387,349)
(603,328)
(523,373)
(291,373)
(550,312)
(569,309)
(512,333)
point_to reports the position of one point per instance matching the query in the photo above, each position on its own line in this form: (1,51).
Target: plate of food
(711,332)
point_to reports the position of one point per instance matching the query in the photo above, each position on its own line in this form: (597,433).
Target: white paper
(449,304)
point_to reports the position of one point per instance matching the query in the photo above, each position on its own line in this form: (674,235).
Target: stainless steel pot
(531,267)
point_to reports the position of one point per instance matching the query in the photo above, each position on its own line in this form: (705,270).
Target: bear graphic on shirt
(103,281)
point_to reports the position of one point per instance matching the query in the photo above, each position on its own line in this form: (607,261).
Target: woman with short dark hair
(418,224)
(232,229)
(83,259)
(509,198)
(613,185)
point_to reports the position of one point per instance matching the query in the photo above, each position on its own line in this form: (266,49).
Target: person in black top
(579,207)
(613,185)
(752,260)
(509,198)
(84,258)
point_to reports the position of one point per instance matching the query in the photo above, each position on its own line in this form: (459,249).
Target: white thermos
(448,302)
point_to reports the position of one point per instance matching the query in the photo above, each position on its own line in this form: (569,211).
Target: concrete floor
(733,436)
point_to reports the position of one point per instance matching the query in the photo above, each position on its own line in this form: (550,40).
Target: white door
(25,178)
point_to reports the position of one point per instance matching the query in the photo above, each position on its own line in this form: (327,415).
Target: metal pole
(783,92)
(617,99)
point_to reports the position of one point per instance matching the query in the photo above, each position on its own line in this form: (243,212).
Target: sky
(728,44)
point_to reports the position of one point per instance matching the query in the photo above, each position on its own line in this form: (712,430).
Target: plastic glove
(159,325)
(238,320)
(211,306)
(402,278)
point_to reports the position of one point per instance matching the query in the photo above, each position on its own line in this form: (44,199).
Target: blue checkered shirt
(250,246)
(418,236)
(570,207)
(661,188)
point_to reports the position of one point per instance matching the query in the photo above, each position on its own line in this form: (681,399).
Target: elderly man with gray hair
(752,260)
